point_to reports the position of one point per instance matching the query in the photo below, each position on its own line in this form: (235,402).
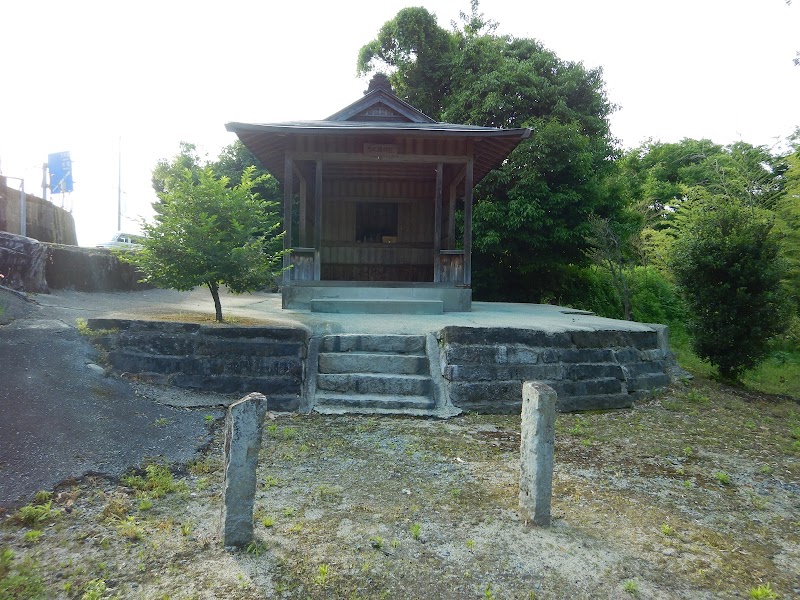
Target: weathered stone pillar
(244,425)
(536,452)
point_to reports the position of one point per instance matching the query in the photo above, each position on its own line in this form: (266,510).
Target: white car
(123,241)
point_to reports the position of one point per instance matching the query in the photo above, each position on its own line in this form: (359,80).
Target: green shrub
(726,263)
(654,299)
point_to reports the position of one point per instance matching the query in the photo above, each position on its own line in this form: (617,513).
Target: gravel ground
(695,494)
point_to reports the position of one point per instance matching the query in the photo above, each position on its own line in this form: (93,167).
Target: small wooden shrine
(370,203)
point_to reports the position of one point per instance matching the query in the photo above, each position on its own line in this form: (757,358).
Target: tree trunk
(214,288)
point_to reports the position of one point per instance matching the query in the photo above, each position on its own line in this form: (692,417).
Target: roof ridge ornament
(380,81)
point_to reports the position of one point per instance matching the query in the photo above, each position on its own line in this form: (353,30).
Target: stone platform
(470,361)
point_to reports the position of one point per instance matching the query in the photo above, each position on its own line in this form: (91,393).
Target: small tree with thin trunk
(207,233)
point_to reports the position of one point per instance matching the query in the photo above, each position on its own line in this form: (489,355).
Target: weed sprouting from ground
(35,514)
(631,587)
(763,592)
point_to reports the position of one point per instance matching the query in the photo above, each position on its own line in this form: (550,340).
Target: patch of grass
(268,521)
(327,493)
(763,592)
(158,481)
(269,482)
(376,542)
(488,592)
(631,587)
(667,529)
(204,466)
(32,536)
(295,528)
(256,548)
(416,530)
(94,590)
(93,334)
(21,580)
(696,396)
(43,496)
(130,529)
(722,477)
(34,514)
(116,508)
(322,574)
(778,374)
(6,557)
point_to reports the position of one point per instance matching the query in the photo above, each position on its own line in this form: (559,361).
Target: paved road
(61,419)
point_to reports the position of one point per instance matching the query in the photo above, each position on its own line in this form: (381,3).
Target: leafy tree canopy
(531,215)
(210,233)
(668,181)
(167,171)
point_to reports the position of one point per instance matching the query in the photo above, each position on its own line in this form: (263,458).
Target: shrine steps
(378,374)
(375,306)
(376,297)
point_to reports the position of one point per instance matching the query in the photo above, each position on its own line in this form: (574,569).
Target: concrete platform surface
(70,305)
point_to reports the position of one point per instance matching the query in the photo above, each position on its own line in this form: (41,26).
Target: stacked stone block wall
(222,359)
(485,367)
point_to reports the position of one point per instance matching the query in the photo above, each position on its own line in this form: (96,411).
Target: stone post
(536,452)
(244,425)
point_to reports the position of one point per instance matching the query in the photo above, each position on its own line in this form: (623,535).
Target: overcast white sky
(80,75)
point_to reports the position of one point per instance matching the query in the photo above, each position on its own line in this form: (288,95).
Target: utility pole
(44,181)
(119,186)
(23,217)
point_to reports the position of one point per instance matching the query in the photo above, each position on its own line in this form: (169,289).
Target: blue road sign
(60,167)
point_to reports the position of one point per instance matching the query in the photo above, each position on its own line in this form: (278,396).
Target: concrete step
(373,306)
(373,362)
(395,344)
(332,400)
(375,383)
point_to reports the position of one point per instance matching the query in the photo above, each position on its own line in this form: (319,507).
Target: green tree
(167,171)
(209,233)
(787,223)
(232,162)
(531,215)
(727,265)
(665,179)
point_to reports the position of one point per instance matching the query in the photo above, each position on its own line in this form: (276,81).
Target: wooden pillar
(318,221)
(437,225)
(288,176)
(451,218)
(303,211)
(468,183)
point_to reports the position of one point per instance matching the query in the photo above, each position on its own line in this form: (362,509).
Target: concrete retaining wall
(90,270)
(223,359)
(44,221)
(485,367)
(27,265)
(22,263)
